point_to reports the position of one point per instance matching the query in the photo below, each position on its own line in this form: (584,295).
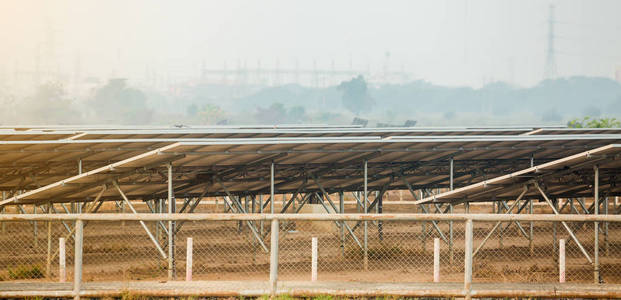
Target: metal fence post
(274,257)
(596,226)
(77,271)
(48,265)
(171,226)
(468,260)
(366,224)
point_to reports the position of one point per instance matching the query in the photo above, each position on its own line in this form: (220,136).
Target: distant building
(618,75)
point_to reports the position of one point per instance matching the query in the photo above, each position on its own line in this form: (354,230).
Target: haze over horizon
(453,43)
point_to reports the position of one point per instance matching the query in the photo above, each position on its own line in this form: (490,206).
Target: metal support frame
(338,224)
(531,243)
(159,224)
(366,224)
(596,275)
(499,223)
(171,225)
(341,231)
(571,233)
(144,226)
(517,223)
(241,209)
(93,209)
(425,210)
(272,188)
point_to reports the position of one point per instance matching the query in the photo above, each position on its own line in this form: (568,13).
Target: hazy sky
(445,42)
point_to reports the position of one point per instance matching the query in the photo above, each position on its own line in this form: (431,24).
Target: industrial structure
(442,169)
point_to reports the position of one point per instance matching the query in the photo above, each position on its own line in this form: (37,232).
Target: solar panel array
(42,164)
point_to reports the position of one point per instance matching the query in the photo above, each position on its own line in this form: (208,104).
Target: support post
(451,248)
(62,265)
(158,210)
(499,211)
(171,227)
(436,260)
(274,257)
(380,209)
(122,211)
(314,259)
(3,211)
(606,240)
(188,260)
(342,228)
(366,224)
(468,260)
(451,175)
(554,230)
(531,244)
(596,225)
(48,265)
(272,188)
(260,198)
(561,260)
(77,267)
(34,228)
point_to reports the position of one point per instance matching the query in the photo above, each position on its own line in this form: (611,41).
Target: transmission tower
(550,67)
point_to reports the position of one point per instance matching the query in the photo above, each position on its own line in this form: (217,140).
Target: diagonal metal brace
(157,245)
(571,233)
(434,223)
(489,234)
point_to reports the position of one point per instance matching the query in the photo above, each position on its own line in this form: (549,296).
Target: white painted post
(561,260)
(436,260)
(62,271)
(274,256)
(468,259)
(314,260)
(77,265)
(188,261)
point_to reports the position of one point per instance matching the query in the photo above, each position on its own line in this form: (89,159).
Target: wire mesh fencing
(378,249)
(396,251)
(27,254)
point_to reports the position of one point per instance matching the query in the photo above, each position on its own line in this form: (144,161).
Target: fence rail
(435,248)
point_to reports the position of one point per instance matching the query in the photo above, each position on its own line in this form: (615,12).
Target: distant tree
(211,114)
(274,114)
(587,122)
(50,105)
(355,95)
(192,110)
(297,114)
(119,103)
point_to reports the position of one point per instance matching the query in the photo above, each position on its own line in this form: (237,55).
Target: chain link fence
(238,248)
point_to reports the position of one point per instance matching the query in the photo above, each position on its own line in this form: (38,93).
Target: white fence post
(314,260)
(436,260)
(468,260)
(561,260)
(274,256)
(188,261)
(62,271)
(77,272)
